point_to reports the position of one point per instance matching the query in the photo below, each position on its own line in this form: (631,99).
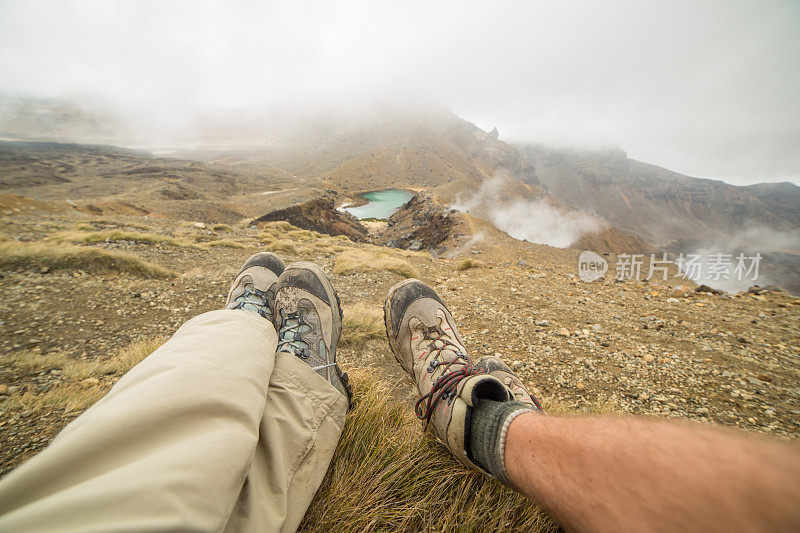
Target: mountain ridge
(611,202)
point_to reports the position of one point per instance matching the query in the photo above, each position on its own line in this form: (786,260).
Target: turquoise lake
(381,204)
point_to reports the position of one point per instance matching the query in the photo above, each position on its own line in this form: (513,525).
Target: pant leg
(302,423)
(169,447)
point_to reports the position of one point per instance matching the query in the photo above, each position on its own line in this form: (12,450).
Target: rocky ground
(657,349)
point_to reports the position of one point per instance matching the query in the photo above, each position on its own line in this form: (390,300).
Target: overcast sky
(707,88)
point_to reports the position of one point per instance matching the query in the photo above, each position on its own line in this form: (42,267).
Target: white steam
(534,221)
(778,255)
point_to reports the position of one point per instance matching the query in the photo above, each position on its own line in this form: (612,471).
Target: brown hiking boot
(495,367)
(254,287)
(308,318)
(426,343)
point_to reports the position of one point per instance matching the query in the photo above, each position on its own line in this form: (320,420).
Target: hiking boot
(495,367)
(254,287)
(425,341)
(308,318)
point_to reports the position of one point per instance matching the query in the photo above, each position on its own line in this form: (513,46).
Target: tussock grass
(283,246)
(34,360)
(361,323)
(387,475)
(339,240)
(129,356)
(120,235)
(221,228)
(70,397)
(4,237)
(277,234)
(352,261)
(84,227)
(267,238)
(410,254)
(466,264)
(303,235)
(36,255)
(138,226)
(225,243)
(74,393)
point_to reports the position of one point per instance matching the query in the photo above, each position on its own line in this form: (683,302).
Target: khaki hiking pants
(211,432)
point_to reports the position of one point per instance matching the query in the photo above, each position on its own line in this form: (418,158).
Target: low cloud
(756,255)
(535,221)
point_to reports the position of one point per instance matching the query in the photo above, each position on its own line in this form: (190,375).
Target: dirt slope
(659,349)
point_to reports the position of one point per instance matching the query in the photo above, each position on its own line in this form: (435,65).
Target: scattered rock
(709,290)
(90,382)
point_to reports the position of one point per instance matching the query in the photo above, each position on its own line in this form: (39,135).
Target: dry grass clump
(466,264)
(267,238)
(120,235)
(302,235)
(339,239)
(361,323)
(84,382)
(387,475)
(34,360)
(225,243)
(279,233)
(352,261)
(34,255)
(137,226)
(283,246)
(84,227)
(410,254)
(221,228)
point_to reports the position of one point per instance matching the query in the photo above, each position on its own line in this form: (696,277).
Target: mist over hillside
(555,196)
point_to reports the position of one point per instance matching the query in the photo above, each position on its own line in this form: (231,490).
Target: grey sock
(487,435)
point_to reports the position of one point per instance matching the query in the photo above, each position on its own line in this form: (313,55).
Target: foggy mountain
(599,200)
(657,204)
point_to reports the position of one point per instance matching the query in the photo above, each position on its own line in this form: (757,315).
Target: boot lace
(256,301)
(290,337)
(453,372)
